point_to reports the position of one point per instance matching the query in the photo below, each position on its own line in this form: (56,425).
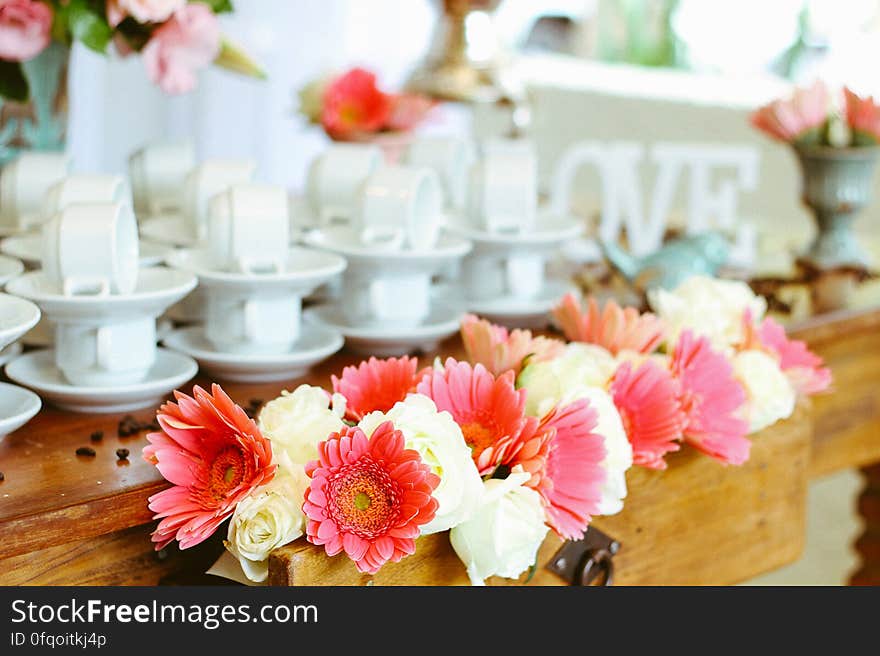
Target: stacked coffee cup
(386,221)
(253,283)
(104,309)
(504,277)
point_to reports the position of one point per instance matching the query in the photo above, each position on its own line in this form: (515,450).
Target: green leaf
(217,6)
(88,25)
(233,58)
(13,84)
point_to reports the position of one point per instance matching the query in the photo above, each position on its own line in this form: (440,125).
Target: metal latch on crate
(588,561)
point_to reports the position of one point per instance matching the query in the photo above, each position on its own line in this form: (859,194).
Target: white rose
(580,365)
(267,519)
(295,422)
(619,455)
(709,307)
(770,396)
(503,537)
(439,441)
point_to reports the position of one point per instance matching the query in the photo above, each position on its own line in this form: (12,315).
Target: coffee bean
(85,451)
(97,436)
(122,454)
(2,477)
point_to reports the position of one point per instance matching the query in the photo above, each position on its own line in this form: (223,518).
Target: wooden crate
(698,522)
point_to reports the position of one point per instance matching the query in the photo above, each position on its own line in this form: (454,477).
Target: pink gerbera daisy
(214,456)
(499,350)
(710,398)
(614,328)
(572,478)
(368,496)
(489,410)
(375,385)
(645,397)
(803,368)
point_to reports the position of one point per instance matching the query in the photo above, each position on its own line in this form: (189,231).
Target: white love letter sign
(618,165)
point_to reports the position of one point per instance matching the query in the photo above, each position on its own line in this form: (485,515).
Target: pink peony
(375,385)
(613,328)
(863,116)
(368,496)
(143,11)
(499,350)
(190,40)
(571,481)
(354,106)
(794,119)
(646,398)
(710,398)
(214,456)
(25,29)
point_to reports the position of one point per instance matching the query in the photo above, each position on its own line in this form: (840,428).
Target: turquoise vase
(41,122)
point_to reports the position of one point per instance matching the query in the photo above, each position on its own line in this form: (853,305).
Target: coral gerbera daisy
(710,398)
(375,385)
(214,455)
(368,496)
(499,350)
(646,398)
(489,410)
(573,476)
(354,106)
(613,327)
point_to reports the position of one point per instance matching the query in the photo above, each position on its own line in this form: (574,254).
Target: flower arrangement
(351,107)
(812,116)
(174,37)
(528,434)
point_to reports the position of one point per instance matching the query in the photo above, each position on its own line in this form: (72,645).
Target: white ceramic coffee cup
(157,173)
(400,207)
(86,188)
(249,229)
(23,186)
(209,178)
(503,189)
(403,300)
(519,275)
(113,354)
(451,158)
(335,179)
(92,248)
(252,325)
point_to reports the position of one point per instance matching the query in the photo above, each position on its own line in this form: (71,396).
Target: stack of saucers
(17,405)
(253,284)
(104,308)
(71,190)
(385,221)
(9,268)
(504,278)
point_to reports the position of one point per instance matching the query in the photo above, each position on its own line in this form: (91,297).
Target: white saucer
(157,289)
(10,352)
(520,312)
(316,344)
(384,342)
(550,232)
(17,316)
(29,248)
(344,240)
(37,370)
(17,407)
(306,269)
(169,229)
(9,268)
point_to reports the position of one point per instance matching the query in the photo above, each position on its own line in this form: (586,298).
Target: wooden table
(69,519)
